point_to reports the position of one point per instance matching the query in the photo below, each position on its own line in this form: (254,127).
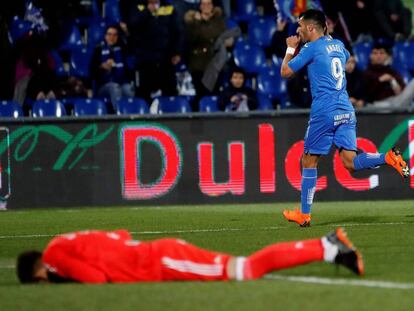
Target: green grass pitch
(382,230)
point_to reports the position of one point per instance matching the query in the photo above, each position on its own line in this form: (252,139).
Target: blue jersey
(325,59)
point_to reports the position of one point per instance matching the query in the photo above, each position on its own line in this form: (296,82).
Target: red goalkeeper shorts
(182,261)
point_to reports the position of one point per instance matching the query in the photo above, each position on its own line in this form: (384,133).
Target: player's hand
(386,77)
(293,41)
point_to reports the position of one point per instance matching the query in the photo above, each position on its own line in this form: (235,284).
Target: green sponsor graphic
(26,138)
(392,138)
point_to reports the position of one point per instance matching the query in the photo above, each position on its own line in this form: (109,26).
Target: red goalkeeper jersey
(101,257)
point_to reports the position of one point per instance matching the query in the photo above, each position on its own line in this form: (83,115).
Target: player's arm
(291,43)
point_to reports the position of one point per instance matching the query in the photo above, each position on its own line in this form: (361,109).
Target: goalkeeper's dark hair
(25,266)
(317,17)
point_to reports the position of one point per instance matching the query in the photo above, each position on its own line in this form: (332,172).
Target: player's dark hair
(25,266)
(317,17)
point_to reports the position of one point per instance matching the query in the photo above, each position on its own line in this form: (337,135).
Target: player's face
(237,80)
(303,31)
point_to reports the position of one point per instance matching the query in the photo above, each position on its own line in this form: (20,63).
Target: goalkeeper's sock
(309,177)
(368,160)
(281,256)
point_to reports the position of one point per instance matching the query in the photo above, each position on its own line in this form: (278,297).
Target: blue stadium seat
(403,55)
(270,83)
(208,104)
(10,109)
(230,23)
(89,107)
(173,104)
(112,13)
(250,57)
(60,69)
(261,30)
(132,106)
(48,108)
(80,59)
(94,14)
(244,10)
(96,33)
(19,28)
(362,51)
(264,102)
(72,38)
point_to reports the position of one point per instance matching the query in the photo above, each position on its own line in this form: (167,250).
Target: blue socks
(368,160)
(309,177)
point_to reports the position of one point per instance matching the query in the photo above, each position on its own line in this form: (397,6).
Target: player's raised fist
(292,42)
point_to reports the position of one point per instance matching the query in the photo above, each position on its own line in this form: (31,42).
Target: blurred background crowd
(94,57)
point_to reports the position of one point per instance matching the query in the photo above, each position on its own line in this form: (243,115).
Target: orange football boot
(393,158)
(296,215)
(348,255)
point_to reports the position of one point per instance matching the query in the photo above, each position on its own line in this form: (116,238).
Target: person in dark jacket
(203,27)
(379,79)
(157,43)
(109,69)
(238,97)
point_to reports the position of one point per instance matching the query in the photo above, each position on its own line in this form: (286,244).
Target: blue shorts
(338,127)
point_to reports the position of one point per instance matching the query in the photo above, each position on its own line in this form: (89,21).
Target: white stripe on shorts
(193,267)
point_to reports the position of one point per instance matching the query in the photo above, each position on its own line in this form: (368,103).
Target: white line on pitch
(29,236)
(323,281)
(344,282)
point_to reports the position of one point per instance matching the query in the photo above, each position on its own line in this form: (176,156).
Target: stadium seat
(94,13)
(72,39)
(362,51)
(80,59)
(10,109)
(89,107)
(112,13)
(402,55)
(19,28)
(208,104)
(230,23)
(244,10)
(249,56)
(177,104)
(96,33)
(48,108)
(60,69)
(264,102)
(261,30)
(270,83)
(132,106)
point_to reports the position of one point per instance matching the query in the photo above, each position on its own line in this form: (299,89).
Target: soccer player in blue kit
(332,117)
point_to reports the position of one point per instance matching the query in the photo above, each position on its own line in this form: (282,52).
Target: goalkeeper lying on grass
(114,257)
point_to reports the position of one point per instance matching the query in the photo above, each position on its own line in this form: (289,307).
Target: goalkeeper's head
(30,268)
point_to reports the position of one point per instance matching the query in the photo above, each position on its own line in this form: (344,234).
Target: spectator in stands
(354,16)
(379,79)
(392,19)
(238,97)
(35,70)
(109,69)
(157,44)
(203,27)
(354,83)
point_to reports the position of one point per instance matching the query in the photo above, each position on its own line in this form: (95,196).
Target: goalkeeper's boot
(347,255)
(296,215)
(393,158)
